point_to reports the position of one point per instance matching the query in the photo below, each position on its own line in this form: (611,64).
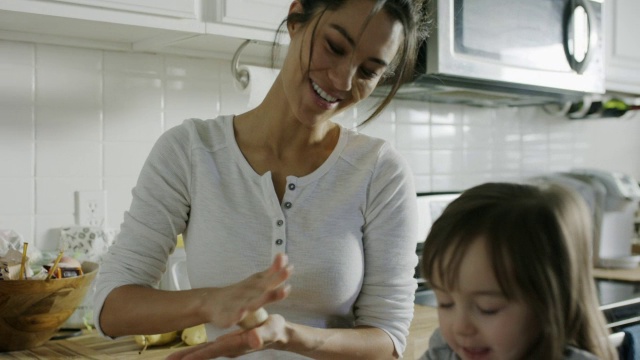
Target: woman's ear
(295,7)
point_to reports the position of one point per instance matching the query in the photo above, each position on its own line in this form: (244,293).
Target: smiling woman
(282,184)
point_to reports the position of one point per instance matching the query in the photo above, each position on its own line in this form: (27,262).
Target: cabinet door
(265,14)
(623,47)
(173,8)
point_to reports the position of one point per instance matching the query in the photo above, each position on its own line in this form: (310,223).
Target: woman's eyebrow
(352,42)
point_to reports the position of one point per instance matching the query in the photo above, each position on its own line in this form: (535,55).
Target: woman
(511,269)
(282,179)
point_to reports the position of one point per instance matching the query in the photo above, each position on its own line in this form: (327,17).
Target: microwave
(510,52)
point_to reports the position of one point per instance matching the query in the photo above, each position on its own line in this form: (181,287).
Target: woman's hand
(240,342)
(225,307)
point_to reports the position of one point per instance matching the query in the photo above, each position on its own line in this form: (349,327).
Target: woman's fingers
(273,281)
(280,270)
(228,345)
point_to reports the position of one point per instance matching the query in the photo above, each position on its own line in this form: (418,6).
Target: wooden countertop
(425,321)
(632,274)
(90,345)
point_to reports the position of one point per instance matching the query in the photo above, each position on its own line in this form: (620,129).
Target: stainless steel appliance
(614,200)
(515,52)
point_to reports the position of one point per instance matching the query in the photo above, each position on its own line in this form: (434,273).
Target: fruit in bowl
(32,311)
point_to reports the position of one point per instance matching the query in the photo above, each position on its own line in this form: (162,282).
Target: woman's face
(349,57)
(476,319)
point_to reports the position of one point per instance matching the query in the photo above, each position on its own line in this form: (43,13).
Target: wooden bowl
(32,311)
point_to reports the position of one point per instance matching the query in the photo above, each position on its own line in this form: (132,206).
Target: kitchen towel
(86,242)
(260,81)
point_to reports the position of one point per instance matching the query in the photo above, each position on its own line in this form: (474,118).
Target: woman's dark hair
(410,13)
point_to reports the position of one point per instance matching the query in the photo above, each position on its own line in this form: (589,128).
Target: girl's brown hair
(411,15)
(539,242)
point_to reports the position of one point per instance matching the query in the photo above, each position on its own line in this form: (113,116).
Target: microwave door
(579,34)
(529,42)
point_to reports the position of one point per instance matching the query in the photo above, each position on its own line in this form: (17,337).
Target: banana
(194,335)
(254,319)
(155,339)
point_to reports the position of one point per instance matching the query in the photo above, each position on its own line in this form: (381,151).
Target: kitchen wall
(80,119)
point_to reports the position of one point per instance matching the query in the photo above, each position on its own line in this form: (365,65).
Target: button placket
(279,235)
(279,242)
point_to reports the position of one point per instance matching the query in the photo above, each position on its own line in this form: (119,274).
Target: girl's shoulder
(572,353)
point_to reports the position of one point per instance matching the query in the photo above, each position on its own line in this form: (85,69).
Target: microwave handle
(572,5)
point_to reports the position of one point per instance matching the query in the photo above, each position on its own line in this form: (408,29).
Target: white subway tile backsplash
(448,183)
(191,90)
(68,159)
(535,163)
(412,111)
(449,114)
(22,224)
(16,196)
(382,127)
(16,121)
(133,96)
(125,159)
(16,158)
(416,136)
(423,183)
(68,94)
(478,136)
(447,162)
(79,119)
(477,161)
(47,230)
(507,160)
(419,161)
(478,117)
(118,198)
(450,136)
(56,195)
(17,72)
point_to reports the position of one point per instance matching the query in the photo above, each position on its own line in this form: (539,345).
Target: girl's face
(349,57)
(476,319)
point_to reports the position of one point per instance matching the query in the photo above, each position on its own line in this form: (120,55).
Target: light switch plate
(91,207)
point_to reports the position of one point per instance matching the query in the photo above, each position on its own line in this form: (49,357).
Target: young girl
(510,266)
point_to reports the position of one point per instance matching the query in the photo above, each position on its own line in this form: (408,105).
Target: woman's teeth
(323,94)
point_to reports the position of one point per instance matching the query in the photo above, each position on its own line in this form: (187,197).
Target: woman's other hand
(239,342)
(225,307)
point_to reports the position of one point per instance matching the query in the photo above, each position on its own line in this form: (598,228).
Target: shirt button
(287,205)
(292,186)
(279,242)
(279,222)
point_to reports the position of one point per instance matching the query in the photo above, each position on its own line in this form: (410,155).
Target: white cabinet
(265,14)
(172,8)
(622,30)
(209,28)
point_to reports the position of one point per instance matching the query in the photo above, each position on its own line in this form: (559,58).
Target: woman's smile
(323,99)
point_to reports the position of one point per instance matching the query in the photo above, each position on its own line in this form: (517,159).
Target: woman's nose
(342,75)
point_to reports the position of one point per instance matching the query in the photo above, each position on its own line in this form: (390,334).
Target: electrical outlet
(91,207)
